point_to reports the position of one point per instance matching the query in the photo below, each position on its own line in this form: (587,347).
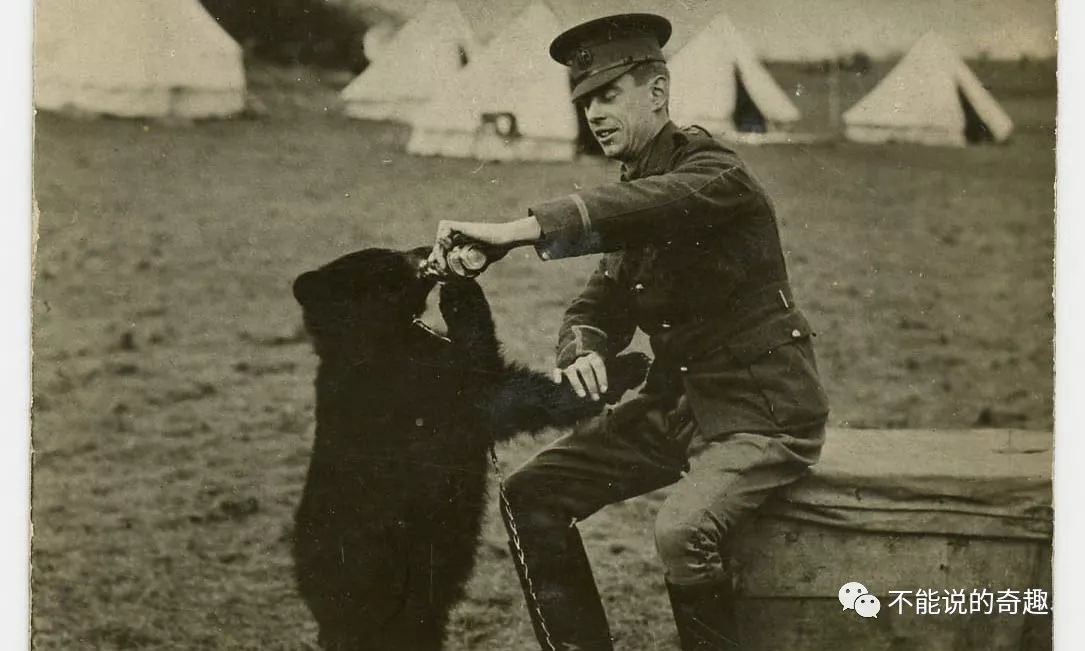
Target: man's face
(622,117)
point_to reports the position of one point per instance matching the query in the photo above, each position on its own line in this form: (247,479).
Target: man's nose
(593,111)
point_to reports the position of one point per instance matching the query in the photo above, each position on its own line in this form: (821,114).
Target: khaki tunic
(693,258)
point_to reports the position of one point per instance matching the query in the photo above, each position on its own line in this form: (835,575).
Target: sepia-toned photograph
(455,325)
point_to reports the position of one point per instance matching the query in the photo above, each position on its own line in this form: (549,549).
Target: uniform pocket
(753,344)
(780,357)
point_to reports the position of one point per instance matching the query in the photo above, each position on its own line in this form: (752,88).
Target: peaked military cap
(601,50)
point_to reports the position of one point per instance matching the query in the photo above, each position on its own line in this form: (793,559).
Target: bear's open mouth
(430,320)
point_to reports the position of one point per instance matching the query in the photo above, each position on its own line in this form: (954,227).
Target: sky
(796,30)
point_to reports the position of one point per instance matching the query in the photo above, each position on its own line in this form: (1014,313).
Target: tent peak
(929,97)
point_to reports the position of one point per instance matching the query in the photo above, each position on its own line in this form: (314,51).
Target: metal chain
(518,549)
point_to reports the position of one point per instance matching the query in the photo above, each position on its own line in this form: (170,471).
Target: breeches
(648,443)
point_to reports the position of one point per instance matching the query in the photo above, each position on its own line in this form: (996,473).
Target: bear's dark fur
(386,532)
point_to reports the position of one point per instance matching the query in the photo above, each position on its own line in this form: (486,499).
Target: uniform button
(545,255)
(665,325)
(684,369)
(606,274)
(639,287)
(795,333)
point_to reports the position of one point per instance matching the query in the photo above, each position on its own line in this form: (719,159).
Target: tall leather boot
(559,588)
(705,616)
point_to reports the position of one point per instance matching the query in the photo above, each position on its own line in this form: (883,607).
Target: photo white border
(1068,603)
(15,234)
(16,28)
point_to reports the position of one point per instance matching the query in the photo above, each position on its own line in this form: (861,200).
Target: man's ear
(308,287)
(660,88)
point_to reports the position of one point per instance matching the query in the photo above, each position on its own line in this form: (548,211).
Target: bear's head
(363,299)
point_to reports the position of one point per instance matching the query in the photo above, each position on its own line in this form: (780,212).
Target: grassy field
(173,390)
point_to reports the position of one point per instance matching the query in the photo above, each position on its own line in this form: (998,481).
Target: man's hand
(497,238)
(587,375)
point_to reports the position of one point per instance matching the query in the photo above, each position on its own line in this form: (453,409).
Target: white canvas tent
(135,58)
(930,97)
(429,49)
(377,39)
(805,31)
(510,103)
(717,82)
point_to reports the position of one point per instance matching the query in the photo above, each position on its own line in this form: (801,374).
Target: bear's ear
(309,287)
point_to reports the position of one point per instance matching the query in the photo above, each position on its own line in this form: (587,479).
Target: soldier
(732,408)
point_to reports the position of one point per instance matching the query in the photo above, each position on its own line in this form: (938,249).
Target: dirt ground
(173,388)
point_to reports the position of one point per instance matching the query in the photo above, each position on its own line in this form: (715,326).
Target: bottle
(471,258)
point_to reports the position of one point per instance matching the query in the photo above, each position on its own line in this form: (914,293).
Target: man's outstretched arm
(598,325)
(500,237)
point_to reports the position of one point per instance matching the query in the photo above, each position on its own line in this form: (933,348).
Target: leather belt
(700,334)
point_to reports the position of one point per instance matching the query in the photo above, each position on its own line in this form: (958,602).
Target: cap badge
(583,58)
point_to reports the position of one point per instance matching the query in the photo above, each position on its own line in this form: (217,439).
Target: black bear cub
(386,532)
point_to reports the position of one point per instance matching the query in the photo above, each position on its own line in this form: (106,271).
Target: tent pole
(834,94)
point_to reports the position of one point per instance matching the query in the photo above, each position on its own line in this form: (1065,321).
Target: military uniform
(732,408)
(695,262)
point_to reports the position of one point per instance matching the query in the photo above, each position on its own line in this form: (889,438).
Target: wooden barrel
(953,512)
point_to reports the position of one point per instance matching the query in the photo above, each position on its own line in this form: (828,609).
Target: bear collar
(419,323)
